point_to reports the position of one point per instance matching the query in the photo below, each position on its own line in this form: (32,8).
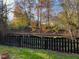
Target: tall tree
(3,18)
(70,12)
(20,19)
(26,6)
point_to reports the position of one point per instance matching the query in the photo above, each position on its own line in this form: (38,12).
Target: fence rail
(48,43)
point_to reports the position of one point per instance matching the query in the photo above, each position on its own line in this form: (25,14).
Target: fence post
(52,44)
(77,45)
(22,41)
(41,42)
(58,43)
(71,46)
(62,45)
(65,44)
(46,43)
(74,46)
(68,46)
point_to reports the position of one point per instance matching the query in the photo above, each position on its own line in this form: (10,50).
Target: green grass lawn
(24,53)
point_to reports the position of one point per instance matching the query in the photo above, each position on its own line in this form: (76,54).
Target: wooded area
(39,16)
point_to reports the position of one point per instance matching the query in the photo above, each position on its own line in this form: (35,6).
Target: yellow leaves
(68,18)
(19,22)
(43,28)
(33,25)
(62,18)
(20,18)
(42,1)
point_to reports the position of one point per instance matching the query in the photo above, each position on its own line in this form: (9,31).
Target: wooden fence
(55,44)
